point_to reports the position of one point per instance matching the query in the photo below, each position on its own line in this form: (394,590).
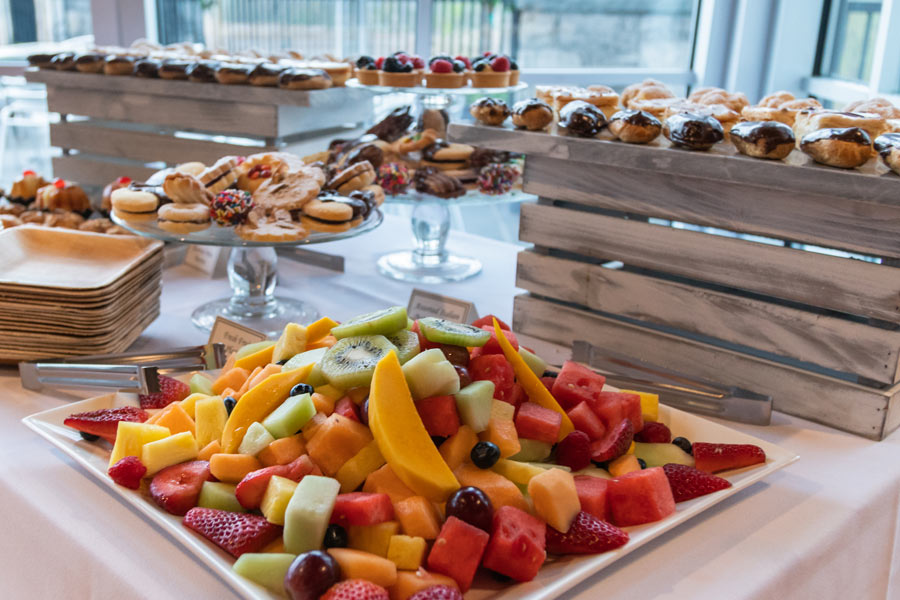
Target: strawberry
(687,482)
(403,57)
(574,451)
(418,62)
(586,535)
(128,472)
(615,443)
(437,592)
(719,457)
(441,66)
(653,433)
(252,488)
(176,489)
(170,390)
(378,62)
(355,589)
(105,422)
(465,60)
(236,533)
(500,64)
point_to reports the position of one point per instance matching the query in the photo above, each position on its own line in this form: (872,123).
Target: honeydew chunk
(555,498)
(537,364)
(517,472)
(430,374)
(594,471)
(532,450)
(308,512)
(131,437)
(657,455)
(258,358)
(304,358)
(256,438)
(276,499)
(502,411)
(474,403)
(406,551)
(169,451)
(252,348)
(201,384)
(266,569)
(218,495)
(287,419)
(210,415)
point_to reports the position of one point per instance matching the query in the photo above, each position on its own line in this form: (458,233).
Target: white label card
(427,304)
(209,260)
(233,335)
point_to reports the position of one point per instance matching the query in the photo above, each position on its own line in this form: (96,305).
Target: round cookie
(329,214)
(377,193)
(354,177)
(290,190)
(191,168)
(183,218)
(134,205)
(532,114)
(416,141)
(230,207)
(447,157)
(272,231)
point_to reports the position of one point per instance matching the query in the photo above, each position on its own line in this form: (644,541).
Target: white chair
(24,129)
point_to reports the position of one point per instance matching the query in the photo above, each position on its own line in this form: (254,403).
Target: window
(25,21)
(852,33)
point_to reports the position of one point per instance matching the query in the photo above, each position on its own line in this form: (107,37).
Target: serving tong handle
(130,372)
(675,389)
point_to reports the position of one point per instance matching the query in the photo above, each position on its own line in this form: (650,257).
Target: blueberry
(485,454)
(643,463)
(89,437)
(301,388)
(459,66)
(481,66)
(684,444)
(229,403)
(601,465)
(437,440)
(283,361)
(335,536)
(364,62)
(392,64)
(513,65)
(407,68)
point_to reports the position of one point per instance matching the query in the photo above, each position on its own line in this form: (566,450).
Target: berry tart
(445,72)
(366,70)
(491,71)
(397,72)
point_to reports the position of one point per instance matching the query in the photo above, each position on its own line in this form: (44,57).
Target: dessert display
(402,69)
(763,139)
(403,459)
(634,126)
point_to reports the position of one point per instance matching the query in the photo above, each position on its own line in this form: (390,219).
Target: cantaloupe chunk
(231,468)
(457,448)
(555,498)
(246,385)
(504,435)
(275,546)
(500,490)
(417,518)
(159,414)
(214,447)
(317,330)
(177,420)
(260,358)
(324,404)
(502,411)
(624,464)
(337,441)
(410,582)
(385,481)
(233,378)
(263,374)
(356,564)
(354,472)
(168,451)
(326,342)
(282,451)
(312,426)
(406,551)
(209,418)
(374,539)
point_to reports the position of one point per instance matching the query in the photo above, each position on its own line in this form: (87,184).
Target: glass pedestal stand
(252,273)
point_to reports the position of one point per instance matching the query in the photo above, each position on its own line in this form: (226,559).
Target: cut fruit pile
(387,458)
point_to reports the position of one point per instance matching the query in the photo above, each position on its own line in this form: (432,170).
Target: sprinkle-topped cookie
(393,178)
(498,178)
(230,207)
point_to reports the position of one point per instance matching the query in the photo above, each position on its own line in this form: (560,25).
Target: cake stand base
(270,317)
(410,265)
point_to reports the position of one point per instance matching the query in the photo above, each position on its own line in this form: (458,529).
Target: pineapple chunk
(209,419)
(131,437)
(275,500)
(374,539)
(291,342)
(406,552)
(354,472)
(169,451)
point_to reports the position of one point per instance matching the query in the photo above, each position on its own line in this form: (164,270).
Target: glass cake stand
(251,273)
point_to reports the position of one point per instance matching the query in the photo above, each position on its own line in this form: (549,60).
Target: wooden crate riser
(97,173)
(845,285)
(857,409)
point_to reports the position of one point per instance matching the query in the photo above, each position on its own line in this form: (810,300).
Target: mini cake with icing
(532,114)
(634,126)
(692,131)
(64,195)
(490,111)
(581,119)
(773,140)
(24,189)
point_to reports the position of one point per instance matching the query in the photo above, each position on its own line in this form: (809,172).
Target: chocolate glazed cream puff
(763,139)
(844,148)
(692,131)
(532,114)
(634,126)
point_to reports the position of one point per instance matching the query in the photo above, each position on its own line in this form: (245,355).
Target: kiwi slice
(351,361)
(442,331)
(381,322)
(407,344)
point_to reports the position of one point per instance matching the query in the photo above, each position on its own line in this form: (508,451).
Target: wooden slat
(846,406)
(820,280)
(830,342)
(140,145)
(829,221)
(89,171)
(236,118)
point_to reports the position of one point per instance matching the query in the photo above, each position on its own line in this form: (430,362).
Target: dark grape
(230,402)
(471,505)
(485,454)
(89,437)
(310,575)
(301,388)
(364,412)
(464,377)
(643,463)
(456,355)
(684,444)
(335,537)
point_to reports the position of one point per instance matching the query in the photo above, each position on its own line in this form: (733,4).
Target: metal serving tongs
(129,372)
(674,389)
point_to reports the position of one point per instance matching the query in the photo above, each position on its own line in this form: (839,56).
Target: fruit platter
(384,458)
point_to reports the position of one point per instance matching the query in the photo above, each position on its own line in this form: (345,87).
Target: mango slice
(260,358)
(319,329)
(401,436)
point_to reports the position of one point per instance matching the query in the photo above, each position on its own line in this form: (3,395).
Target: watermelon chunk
(439,415)
(535,422)
(576,383)
(518,544)
(362,508)
(612,407)
(640,497)
(548,383)
(586,420)
(457,551)
(493,346)
(592,495)
(488,321)
(494,368)
(345,407)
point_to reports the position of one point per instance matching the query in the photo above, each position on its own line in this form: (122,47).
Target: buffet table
(825,527)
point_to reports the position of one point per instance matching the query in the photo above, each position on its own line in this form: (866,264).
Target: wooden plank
(829,221)
(144,146)
(873,182)
(93,172)
(830,342)
(236,118)
(840,404)
(841,284)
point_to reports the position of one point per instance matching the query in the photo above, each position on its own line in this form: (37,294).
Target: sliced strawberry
(438,592)
(574,451)
(128,472)
(176,489)
(252,488)
(486,320)
(170,390)
(355,589)
(236,533)
(719,457)
(586,535)
(105,422)
(687,482)
(654,433)
(615,443)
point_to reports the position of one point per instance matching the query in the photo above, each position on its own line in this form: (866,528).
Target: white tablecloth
(826,527)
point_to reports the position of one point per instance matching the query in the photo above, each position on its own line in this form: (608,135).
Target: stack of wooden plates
(70,293)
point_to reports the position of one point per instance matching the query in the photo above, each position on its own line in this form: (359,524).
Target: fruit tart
(366,70)
(445,72)
(397,72)
(491,71)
